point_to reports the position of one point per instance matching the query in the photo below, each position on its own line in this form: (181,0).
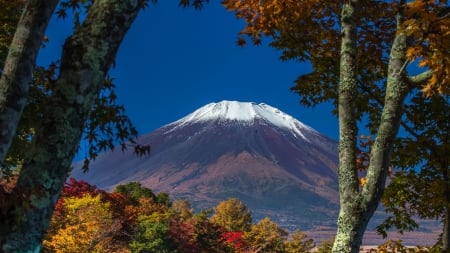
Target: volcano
(278,166)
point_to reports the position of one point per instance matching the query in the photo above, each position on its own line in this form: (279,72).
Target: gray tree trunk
(16,77)
(446,220)
(446,229)
(86,59)
(358,205)
(349,232)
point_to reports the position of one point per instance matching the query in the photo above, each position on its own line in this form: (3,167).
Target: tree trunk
(446,229)
(446,220)
(349,234)
(445,167)
(358,206)
(87,56)
(16,77)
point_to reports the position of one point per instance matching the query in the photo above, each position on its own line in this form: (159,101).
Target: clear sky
(175,60)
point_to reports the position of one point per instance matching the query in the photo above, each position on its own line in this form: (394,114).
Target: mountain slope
(277,165)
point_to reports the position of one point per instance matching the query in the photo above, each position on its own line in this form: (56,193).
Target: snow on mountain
(246,113)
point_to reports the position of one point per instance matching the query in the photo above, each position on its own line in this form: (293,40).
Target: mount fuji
(278,166)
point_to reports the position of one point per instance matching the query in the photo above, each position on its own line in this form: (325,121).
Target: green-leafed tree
(233,215)
(163,198)
(152,235)
(360,52)
(135,191)
(266,236)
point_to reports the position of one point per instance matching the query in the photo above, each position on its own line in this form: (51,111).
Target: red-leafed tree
(198,234)
(236,240)
(182,235)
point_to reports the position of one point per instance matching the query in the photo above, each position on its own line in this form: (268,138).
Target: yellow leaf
(362,181)
(423,63)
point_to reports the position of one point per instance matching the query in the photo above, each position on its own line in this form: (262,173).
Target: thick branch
(380,102)
(16,76)
(396,90)
(419,79)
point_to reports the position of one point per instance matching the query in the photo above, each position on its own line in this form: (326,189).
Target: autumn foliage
(236,240)
(428,25)
(309,30)
(134,219)
(88,219)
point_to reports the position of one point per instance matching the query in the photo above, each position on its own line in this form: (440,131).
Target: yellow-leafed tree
(87,228)
(233,215)
(266,236)
(299,243)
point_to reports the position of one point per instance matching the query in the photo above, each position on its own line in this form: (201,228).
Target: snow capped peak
(227,110)
(245,112)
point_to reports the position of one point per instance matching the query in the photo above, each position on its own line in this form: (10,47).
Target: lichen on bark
(86,58)
(359,204)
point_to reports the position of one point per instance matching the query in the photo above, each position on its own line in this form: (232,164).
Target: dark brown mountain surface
(278,166)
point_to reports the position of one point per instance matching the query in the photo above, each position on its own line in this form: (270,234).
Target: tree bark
(86,58)
(446,227)
(446,219)
(349,236)
(16,77)
(446,191)
(358,206)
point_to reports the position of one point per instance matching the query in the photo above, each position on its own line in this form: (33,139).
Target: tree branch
(418,79)
(396,91)
(380,102)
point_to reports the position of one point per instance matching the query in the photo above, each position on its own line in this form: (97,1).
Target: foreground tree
(359,51)
(86,58)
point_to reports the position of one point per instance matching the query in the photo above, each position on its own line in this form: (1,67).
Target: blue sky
(175,60)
